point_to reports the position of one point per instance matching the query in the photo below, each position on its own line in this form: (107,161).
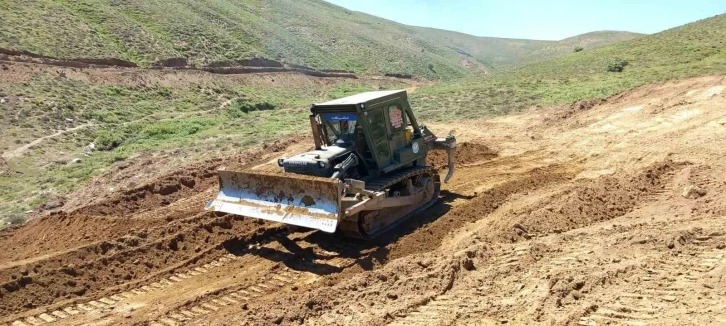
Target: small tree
(578,49)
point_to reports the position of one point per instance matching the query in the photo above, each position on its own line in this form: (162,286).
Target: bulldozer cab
(380,124)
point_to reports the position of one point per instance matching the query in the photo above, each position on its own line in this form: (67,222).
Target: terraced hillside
(313,33)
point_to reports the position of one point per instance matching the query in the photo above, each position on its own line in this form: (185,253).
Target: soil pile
(587,202)
(465,153)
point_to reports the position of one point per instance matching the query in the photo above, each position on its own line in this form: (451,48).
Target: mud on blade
(287,198)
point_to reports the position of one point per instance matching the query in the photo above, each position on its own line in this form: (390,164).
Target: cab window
(340,126)
(379,134)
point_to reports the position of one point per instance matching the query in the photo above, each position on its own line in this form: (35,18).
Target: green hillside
(305,32)
(695,49)
(585,41)
(491,51)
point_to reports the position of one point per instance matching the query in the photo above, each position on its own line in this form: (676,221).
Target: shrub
(15,219)
(578,49)
(108,140)
(617,66)
(240,107)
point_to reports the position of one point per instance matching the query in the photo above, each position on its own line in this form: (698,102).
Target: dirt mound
(429,230)
(587,202)
(179,184)
(465,153)
(161,192)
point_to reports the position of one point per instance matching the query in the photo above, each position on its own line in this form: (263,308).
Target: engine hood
(317,162)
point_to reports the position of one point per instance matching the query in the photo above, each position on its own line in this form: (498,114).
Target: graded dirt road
(599,213)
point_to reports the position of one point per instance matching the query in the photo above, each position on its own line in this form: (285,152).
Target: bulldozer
(367,174)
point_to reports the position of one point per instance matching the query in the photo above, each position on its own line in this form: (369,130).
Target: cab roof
(361,98)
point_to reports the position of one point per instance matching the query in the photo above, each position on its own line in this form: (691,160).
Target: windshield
(340,126)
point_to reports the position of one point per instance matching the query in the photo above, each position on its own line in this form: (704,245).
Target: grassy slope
(307,32)
(586,41)
(491,51)
(694,49)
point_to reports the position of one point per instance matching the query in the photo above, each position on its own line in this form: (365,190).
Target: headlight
(321,164)
(280,161)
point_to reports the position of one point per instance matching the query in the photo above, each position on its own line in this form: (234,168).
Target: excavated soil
(465,153)
(609,212)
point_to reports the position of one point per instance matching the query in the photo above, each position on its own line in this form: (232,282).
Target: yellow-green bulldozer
(367,174)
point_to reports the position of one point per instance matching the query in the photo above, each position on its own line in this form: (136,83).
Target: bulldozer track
(664,285)
(349,225)
(267,284)
(664,288)
(109,302)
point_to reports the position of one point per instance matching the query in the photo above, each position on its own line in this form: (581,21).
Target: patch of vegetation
(15,219)
(617,66)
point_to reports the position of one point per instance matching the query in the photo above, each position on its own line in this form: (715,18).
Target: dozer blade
(306,201)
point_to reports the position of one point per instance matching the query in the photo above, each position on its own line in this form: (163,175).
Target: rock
(392,296)
(693,192)
(69,120)
(3,100)
(92,146)
(468,264)
(669,298)
(76,160)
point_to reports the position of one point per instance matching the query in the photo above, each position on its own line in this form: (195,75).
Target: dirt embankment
(251,66)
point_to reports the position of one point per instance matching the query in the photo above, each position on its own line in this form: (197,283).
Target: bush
(578,49)
(15,219)
(617,66)
(108,140)
(240,107)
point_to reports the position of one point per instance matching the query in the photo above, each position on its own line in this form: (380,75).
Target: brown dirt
(465,153)
(576,219)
